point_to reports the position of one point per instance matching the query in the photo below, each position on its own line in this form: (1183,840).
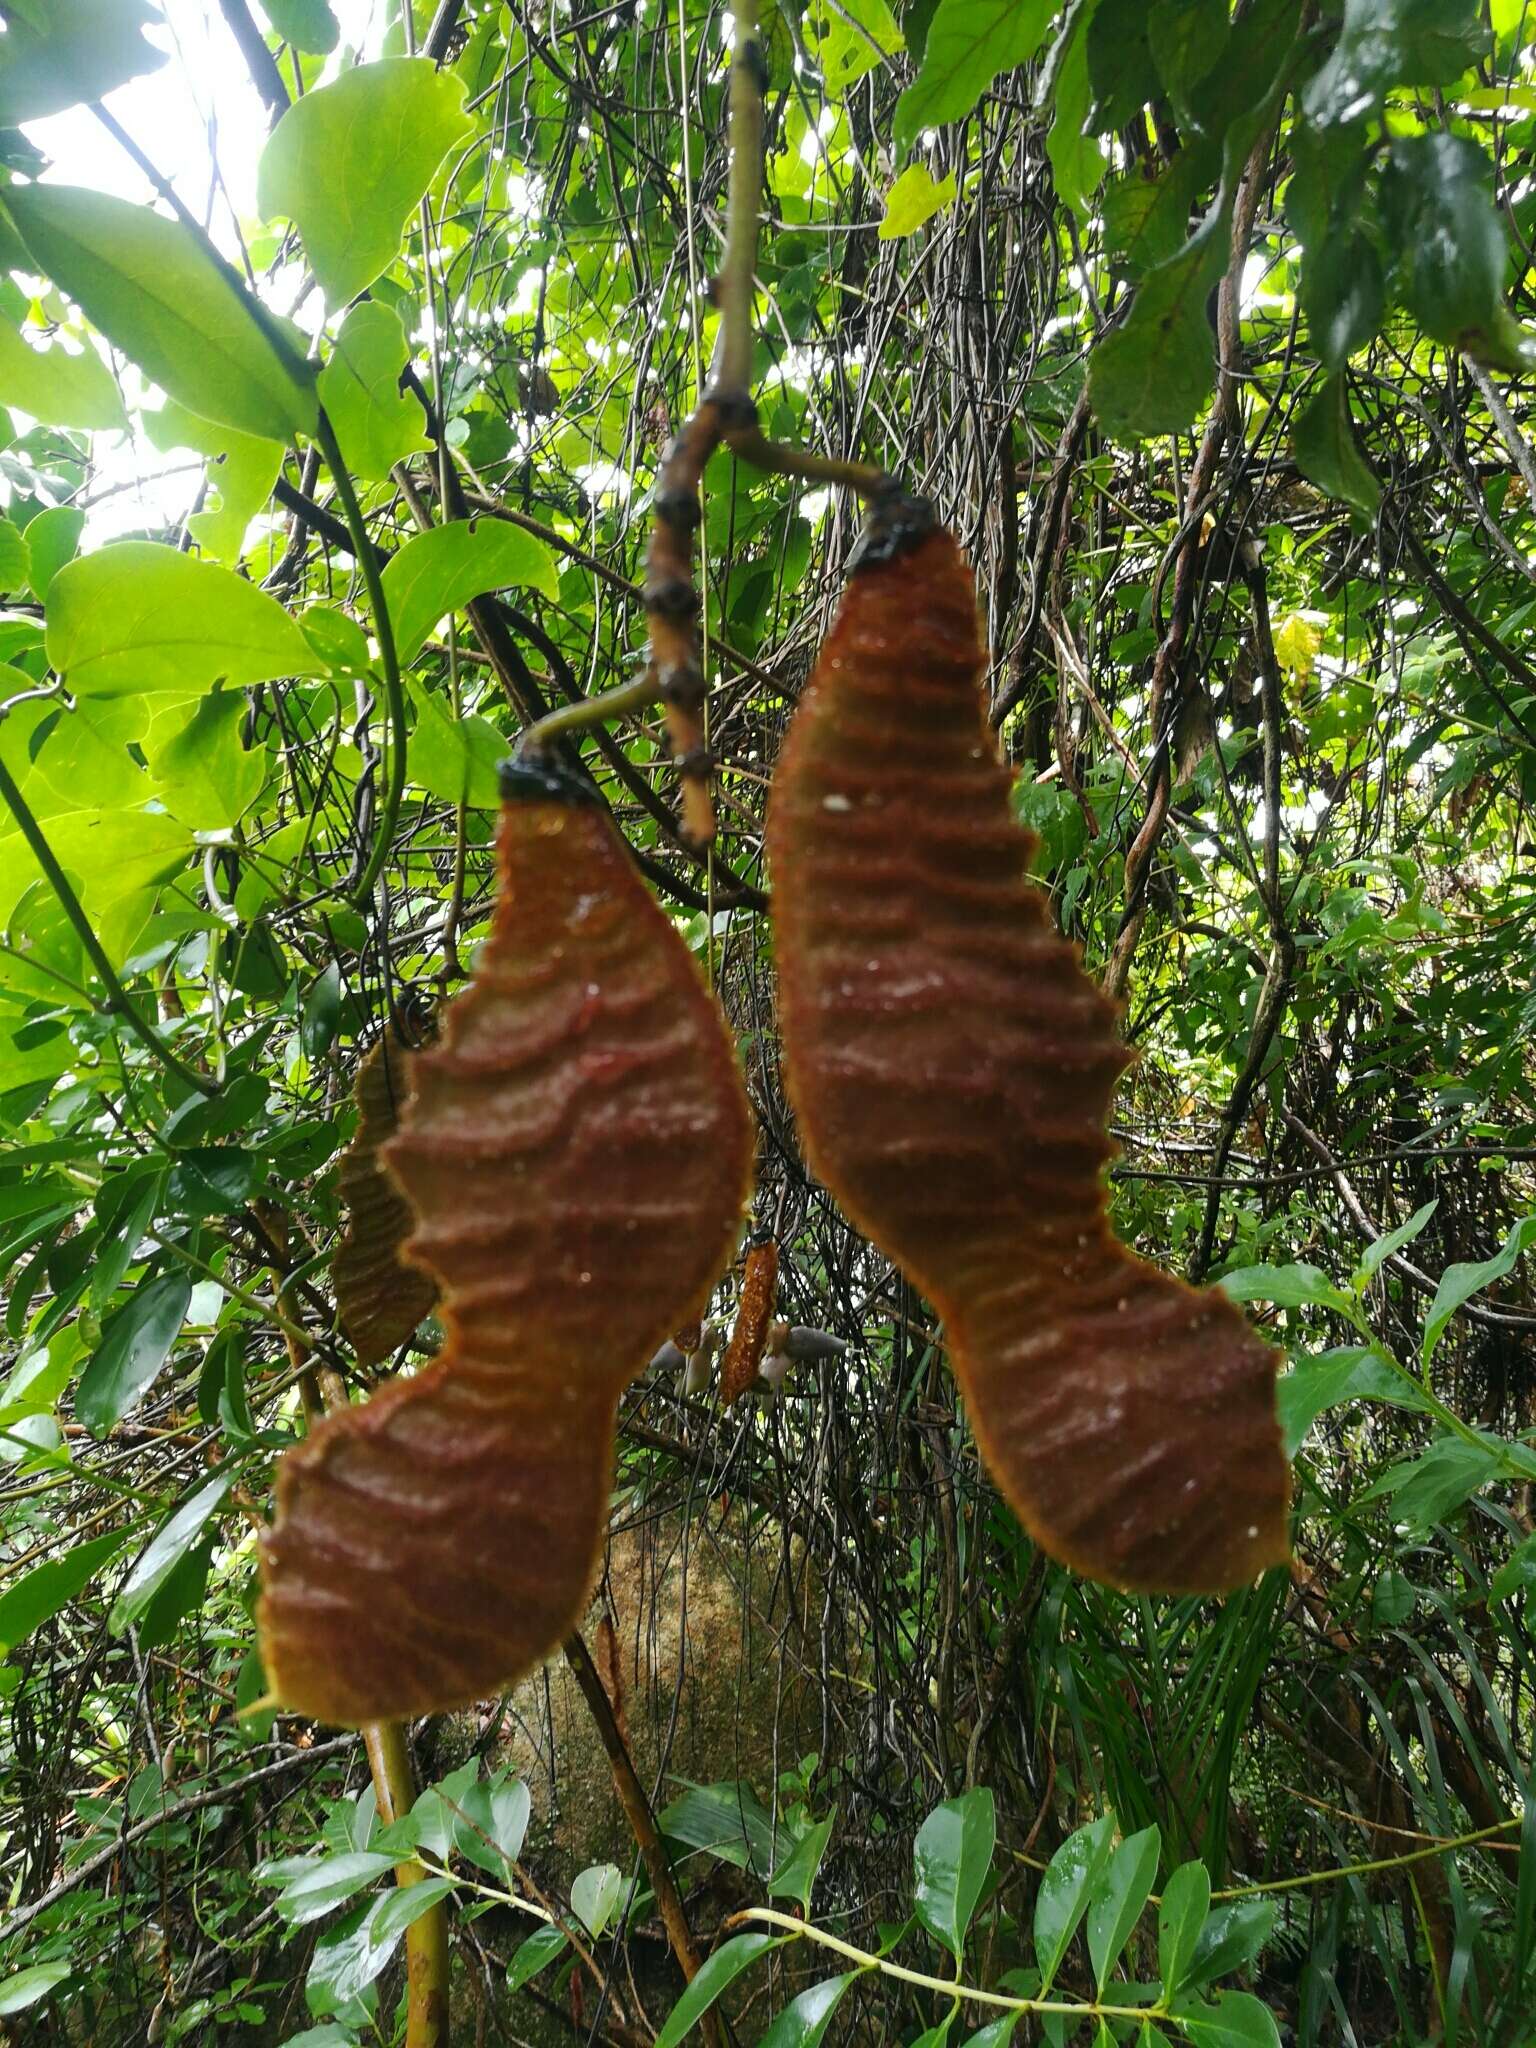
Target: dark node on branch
(698,763)
(682,683)
(535,777)
(679,509)
(735,410)
(895,522)
(671,597)
(750,56)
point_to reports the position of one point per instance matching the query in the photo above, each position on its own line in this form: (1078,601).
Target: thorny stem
(117,1003)
(394,692)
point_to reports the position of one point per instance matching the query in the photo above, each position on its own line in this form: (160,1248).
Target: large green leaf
(70,51)
(1450,246)
(437,572)
(969,43)
(1181,1916)
(377,424)
(134,1346)
(242,469)
(1393,42)
(1326,450)
(58,388)
(52,538)
(166,1551)
(29,1987)
(40,1593)
(715,1975)
(1071,1878)
(138,617)
(203,772)
(951,1858)
(156,291)
(805,2020)
(454,758)
(349,162)
(308,25)
(1118,1899)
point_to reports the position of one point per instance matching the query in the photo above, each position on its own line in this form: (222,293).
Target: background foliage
(1207,330)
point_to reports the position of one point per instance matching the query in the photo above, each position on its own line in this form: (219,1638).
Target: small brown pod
(577,1151)
(379,1298)
(749,1337)
(952,1065)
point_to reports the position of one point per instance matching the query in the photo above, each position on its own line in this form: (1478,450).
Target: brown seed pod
(379,1299)
(577,1150)
(952,1066)
(744,1353)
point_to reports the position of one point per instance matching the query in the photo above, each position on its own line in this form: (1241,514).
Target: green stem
(394,692)
(117,1003)
(1311,1877)
(569,718)
(805,1931)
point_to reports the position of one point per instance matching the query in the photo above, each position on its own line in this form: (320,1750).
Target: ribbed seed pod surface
(379,1298)
(951,1066)
(749,1335)
(577,1151)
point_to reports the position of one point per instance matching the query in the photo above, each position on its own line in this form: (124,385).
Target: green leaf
(1427,1489)
(1180,1917)
(437,572)
(1152,374)
(595,1895)
(156,291)
(42,1592)
(1230,1940)
(242,469)
(1070,1879)
(951,1857)
(133,1348)
(328,1882)
(804,2022)
(203,773)
(30,1987)
(1377,1254)
(1187,37)
(52,538)
(969,43)
(320,1019)
(855,34)
(166,1550)
(376,423)
(1355,1372)
(1343,295)
(1517,1574)
(1459,1283)
(795,1877)
(1298,1286)
(1236,2020)
(405,1905)
(1450,246)
(349,162)
(137,617)
(539,1951)
(15,559)
(347,1960)
(1326,451)
(69,52)
(1118,1899)
(1077,159)
(337,639)
(914,199)
(58,387)
(997,2035)
(491,1824)
(306,25)
(715,1974)
(454,758)
(1392,42)
(1120,69)
(1393,1599)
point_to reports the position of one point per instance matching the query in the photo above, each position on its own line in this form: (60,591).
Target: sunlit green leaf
(437,572)
(376,423)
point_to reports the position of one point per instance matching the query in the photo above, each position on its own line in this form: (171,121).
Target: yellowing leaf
(914,199)
(1298,641)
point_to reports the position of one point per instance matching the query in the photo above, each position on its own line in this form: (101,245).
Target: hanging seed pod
(577,1150)
(744,1353)
(379,1298)
(952,1066)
